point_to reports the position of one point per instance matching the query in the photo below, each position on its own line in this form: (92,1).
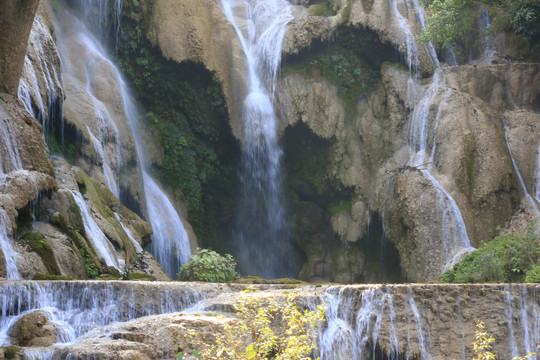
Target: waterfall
(103,247)
(41,56)
(456,242)
(10,160)
(262,237)
(77,307)
(537,175)
(362,322)
(522,185)
(170,242)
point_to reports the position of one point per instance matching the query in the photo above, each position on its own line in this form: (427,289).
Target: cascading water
(522,185)
(362,322)
(170,242)
(42,57)
(10,160)
(537,177)
(262,237)
(77,307)
(456,242)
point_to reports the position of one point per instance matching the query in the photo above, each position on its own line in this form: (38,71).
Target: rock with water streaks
(34,329)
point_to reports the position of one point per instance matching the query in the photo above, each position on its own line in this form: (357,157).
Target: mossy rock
(37,243)
(258,280)
(140,276)
(40,276)
(11,352)
(108,277)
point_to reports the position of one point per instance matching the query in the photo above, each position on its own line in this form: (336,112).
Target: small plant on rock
(208,265)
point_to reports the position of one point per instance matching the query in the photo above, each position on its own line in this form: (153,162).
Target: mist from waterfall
(262,236)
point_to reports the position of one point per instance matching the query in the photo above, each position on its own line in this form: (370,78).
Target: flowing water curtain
(170,244)
(262,236)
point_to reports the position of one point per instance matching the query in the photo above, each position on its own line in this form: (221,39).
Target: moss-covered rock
(37,243)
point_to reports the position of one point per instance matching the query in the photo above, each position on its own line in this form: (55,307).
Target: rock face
(199,32)
(15,23)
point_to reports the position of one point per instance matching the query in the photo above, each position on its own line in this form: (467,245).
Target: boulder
(34,329)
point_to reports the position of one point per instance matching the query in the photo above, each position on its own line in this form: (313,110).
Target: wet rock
(34,329)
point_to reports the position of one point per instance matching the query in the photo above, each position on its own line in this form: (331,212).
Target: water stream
(77,307)
(262,239)
(10,161)
(456,242)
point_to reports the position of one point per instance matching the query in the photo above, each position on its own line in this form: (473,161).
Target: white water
(170,242)
(75,308)
(10,161)
(456,242)
(42,57)
(522,185)
(128,232)
(537,177)
(262,237)
(102,245)
(362,323)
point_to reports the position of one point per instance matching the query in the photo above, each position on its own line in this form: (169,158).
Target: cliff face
(15,22)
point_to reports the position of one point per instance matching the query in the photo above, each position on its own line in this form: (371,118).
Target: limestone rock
(15,24)
(34,329)
(198,31)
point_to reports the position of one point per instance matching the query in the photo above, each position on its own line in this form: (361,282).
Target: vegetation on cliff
(507,258)
(452,20)
(184,107)
(208,265)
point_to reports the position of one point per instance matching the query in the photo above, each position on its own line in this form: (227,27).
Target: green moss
(321,9)
(337,207)
(102,197)
(351,60)
(10,352)
(140,276)
(258,280)
(507,258)
(37,243)
(39,276)
(108,277)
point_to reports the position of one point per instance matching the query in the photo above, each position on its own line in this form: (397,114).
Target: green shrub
(507,258)
(40,276)
(208,265)
(533,275)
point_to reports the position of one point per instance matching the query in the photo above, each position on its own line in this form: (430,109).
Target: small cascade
(170,244)
(40,87)
(84,59)
(77,307)
(262,238)
(103,16)
(522,185)
(537,177)
(488,41)
(362,322)
(128,232)
(103,246)
(456,242)
(167,226)
(10,160)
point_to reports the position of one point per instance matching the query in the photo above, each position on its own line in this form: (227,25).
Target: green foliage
(74,208)
(533,275)
(91,269)
(265,329)
(453,19)
(186,109)
(507,258)
(208,265)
